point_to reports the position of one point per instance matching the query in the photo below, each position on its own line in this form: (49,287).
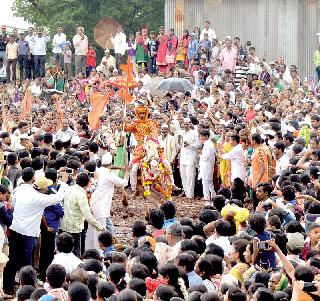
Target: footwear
(175,188)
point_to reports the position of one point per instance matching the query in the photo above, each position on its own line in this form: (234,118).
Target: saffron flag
(97,101)
(26,104)
(59,112)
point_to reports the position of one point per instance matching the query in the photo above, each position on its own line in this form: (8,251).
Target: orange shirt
(259,155)
(142,129)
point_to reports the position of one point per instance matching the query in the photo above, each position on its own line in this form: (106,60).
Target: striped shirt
(240,72)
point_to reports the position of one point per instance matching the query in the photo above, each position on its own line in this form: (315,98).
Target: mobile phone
(262,245)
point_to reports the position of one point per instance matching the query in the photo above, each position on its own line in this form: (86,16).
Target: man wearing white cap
(167,142)
(188,156)
(107,61)
(101,199)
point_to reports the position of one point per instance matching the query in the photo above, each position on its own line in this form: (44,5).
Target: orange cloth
(59,112)
(26,104)
(98,102)
(259,155)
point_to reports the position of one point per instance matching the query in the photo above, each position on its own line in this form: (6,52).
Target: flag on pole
(98,102)
(26,105)
(59,112)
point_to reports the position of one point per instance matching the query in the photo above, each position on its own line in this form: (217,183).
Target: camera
(262,245)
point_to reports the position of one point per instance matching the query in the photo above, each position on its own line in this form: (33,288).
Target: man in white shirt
(65,133)
(282,160)
(207,29)
(107,61)
(12,49)
(206,165)
(29,205)
(30,72)
(80,43)
(59,39)
(101,199)
(120,45)
(237,159)
(40,44)
(188,157)
(167,142)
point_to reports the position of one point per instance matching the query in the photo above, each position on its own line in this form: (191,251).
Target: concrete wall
(276,27)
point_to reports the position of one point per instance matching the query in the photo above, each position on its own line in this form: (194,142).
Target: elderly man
(58,42)
(167,252)
(120,45)
(101,199)
(65,133)
(188,157)
(80,43)
(107,61)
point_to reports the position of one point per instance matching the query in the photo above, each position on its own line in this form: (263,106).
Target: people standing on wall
(162,50)
(207,29)
(58,42)
(12,58)
(40,44)
(119,42)
(172,45)
(80,43)
(23,54)
(30,70)
(316,59)
(4,39)
(152,51)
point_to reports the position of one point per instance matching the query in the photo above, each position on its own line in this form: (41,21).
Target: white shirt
(169,146)
(58,39)
(68,260)
(40,43)
(221,241)
(28,208)
(211,34)
(147,82)
(80,45)
(238,162)
(119,42)
(188,153)
(30,41)
(206,162)
(101,198)
(282,164)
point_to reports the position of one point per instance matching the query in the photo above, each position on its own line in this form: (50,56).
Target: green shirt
(316,58)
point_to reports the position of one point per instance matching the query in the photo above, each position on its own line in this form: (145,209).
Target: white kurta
(206,162)
(169,145)
(188,154)
(238,162)
(101,201)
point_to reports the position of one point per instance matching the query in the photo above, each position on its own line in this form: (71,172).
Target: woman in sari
(182,50)
(162,51)
(172,45)
(80,91)
(142,48)
(225,165)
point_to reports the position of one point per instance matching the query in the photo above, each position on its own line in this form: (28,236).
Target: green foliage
(132,14)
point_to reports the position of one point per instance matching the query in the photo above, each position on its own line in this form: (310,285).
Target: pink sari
(162,50)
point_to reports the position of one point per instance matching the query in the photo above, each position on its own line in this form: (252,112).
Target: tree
(70,14)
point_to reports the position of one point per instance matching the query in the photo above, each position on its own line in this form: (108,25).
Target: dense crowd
(245,140)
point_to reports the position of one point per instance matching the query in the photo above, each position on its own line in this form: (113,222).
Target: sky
(7,18)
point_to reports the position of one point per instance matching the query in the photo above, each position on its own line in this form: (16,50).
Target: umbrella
(102,32)
(175,84)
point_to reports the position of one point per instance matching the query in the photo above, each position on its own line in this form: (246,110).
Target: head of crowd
(243,141)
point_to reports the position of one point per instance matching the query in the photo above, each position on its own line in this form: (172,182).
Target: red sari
(172,45)
(162,51)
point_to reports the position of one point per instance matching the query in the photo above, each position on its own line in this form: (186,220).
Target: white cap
(65,137)
(257,107)
(164,126)
(75,140)
(187,120)
(106,159)
(227,38)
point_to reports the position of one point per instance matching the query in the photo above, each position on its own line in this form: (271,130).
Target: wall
(276,27)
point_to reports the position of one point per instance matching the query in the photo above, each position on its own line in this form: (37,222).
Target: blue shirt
(54,213)
(108,250)
(266,259)
(169,222)
(192,48)
(23,47)
(194,279)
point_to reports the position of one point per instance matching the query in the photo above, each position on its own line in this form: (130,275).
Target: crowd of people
(244,141)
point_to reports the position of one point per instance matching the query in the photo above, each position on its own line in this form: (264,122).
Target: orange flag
(26,104)
(128,70)
(98,102)
(59,112)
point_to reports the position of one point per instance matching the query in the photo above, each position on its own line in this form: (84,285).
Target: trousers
(208,190)
(188,176)
(21,254)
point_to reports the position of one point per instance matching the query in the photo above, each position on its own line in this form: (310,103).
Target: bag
(170,59)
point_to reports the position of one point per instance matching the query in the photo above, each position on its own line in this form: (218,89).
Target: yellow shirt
(12,51)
